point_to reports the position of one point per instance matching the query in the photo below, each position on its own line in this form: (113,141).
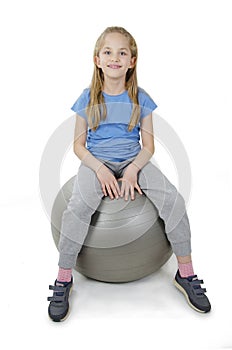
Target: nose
(114,57)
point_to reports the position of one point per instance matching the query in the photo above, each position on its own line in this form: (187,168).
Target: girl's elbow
(79,150)
(151,149)
(76,150)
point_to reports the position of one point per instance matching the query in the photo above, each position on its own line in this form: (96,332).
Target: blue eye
(123,53)
(107,52)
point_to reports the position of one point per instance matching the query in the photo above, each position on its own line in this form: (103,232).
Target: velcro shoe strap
(57,288)
(56,298)
(200,291)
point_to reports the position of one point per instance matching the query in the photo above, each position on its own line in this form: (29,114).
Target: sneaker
(195,295)
(59,304)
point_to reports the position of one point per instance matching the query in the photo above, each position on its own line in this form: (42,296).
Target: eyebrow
(122,48)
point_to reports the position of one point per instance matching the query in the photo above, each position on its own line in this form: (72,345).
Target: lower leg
(67,260)
(184,259)
(64,275)
(185,266)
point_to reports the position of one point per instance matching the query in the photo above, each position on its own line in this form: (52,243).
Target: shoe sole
(66,316)
(181,289)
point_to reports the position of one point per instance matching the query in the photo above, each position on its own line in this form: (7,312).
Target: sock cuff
(186,270)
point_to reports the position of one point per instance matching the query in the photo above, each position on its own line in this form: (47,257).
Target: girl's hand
(108,182)
(129,182)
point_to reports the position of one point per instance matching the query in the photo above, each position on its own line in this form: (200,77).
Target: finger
(115,192)
(132,192)
(117,187)
(104,190)
(138,189)
(127,189)
(122,188)
(109,191)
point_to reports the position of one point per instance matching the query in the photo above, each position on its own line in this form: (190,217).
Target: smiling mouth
(114,66)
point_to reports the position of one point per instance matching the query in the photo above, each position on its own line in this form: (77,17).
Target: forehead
(116,40)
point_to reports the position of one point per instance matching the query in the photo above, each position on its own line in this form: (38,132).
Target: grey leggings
(87,195)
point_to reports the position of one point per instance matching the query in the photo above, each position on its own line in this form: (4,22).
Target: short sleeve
(81,103)
(146,103)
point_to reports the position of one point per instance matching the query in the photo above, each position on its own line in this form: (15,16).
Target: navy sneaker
(195,295)
(59,304)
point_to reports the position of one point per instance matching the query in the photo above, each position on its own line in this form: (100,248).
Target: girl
(109,118)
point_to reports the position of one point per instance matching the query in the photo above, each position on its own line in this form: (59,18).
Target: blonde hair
(96,109)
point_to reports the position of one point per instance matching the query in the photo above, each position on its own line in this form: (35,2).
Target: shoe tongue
(192,278)
(60,284)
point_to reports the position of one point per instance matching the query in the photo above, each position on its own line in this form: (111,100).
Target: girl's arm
(79,145)
(108,181)
(129,179)
(147,137)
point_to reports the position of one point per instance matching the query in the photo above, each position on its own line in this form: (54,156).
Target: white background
(185,65)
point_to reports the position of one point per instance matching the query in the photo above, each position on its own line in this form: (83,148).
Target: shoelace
(196,285)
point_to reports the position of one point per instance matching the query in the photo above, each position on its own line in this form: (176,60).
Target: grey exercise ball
(125,242)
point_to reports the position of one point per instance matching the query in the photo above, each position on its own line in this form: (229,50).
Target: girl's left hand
(129,182)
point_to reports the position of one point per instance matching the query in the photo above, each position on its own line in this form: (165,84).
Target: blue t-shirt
(112,140)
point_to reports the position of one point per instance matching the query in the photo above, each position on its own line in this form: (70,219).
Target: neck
(114,87)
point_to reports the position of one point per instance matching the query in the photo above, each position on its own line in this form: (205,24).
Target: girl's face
(115,56)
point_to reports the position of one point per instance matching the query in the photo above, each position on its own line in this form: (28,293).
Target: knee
(174,200)
(177,198)
(86,193)
(79,208)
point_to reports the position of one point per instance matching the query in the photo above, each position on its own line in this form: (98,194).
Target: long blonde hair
(96,109)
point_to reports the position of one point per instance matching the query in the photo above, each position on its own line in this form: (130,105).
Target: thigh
(86,189)
(163,194)
(152,178)
(157,188)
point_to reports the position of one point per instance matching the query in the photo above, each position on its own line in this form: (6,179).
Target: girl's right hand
(108,182)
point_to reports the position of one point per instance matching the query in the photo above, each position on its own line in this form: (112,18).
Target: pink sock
(64,275)
(186,270)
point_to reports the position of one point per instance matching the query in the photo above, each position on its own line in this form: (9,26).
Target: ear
(132,62)
(97,61)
